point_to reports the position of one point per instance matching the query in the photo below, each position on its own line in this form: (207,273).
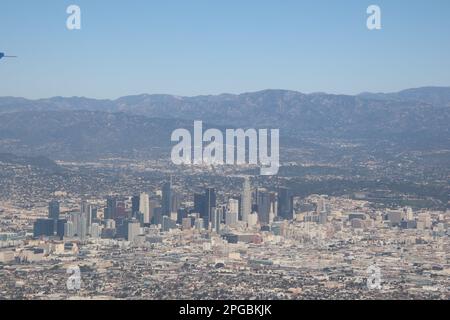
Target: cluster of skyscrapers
(80,223)
(124,217)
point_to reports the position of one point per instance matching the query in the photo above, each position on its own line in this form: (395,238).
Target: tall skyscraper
(231,216)
(199,224)
(69,231)
(121,210)
(94,211)
(53,210)
(85,220)
(273,212)
(181,214)
(96,230)
(154,204)
(91,215)
(246,200)
(233,206)
(322,211)
(75,218)
(210,203)
(79,223)
(60,228)
(135,206)
(203,204)
(157,215)
(167,198)
(111,208)
(216,218)
(285,204)
(82,227)
(144,207)
(200,208)
(264,206)
(175,202)
(134,230)
(87,211)
(199,203)
(83,207)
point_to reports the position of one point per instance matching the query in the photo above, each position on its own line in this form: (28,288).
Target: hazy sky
(193,47)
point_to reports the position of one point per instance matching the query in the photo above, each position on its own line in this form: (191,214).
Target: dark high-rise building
(157,215)
(111,208)
(199,203)
(264,205)
(84,207)
(175,201)
(120,210)
(53,210)
(94,217)
(203,204)
(122,227)
(285,204)
(153,204)
(44,227)
(181,214)
(246,200)
(60,228)
(167,198)
(240,207)
(135,202)
(168,224)
(216,217)
(210,203)
(200,207)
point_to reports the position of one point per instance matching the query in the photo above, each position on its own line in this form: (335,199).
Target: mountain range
(79,127)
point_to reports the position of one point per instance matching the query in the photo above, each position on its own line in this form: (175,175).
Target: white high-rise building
(96,230)
(75,218)
(231,216)
(199,224)
(246,200)
(409,213)
(144,207)
(252,220)
(216,219)
(272,212)
(90,214)
(68,230)
(134,230)
(82,227)
(83,222)
(83,206)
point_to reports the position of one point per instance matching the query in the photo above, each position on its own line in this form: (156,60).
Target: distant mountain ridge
(145,103)
(79,127)
(438,96)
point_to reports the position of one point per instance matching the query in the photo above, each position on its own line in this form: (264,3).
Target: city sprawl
(115,229)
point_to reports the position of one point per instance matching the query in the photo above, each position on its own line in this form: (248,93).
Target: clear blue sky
(192,47)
